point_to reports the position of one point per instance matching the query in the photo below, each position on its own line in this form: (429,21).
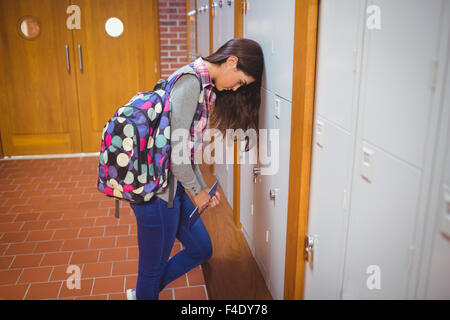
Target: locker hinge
(435,74)
(410,258)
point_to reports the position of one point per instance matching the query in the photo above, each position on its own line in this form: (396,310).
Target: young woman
(230,78)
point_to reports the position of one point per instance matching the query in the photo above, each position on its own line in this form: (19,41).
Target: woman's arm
(184,99)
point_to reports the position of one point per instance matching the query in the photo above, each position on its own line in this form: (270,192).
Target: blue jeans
(157,228)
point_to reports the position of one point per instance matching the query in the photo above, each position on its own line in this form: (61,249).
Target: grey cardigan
(184,99)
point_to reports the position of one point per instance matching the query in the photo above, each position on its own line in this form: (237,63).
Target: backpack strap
(117,209)
(171,190)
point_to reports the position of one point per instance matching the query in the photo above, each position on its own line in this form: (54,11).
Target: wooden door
(38,100)
(110,70)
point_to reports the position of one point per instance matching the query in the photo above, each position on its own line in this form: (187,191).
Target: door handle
(67,58)
(80,57)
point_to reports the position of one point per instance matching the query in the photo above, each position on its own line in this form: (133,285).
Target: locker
(339,37)
(329,194)
(397,84)
(223,22)
(376,92)
(262,227)
(380,226)
(203,27)
(340,24)
(279,183)
(271,23)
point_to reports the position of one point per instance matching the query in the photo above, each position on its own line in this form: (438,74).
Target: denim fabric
(157,228)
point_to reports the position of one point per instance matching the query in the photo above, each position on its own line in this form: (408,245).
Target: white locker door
(332,149)
(262,228)
(223,22)
(394,121)
(203,27)
(271,24)
(217,25)
(279,185)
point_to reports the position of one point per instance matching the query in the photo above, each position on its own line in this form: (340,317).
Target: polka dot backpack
(134,159)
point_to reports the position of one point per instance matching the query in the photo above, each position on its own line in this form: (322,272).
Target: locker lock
(256,173)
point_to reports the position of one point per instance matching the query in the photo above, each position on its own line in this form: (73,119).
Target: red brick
(13,292)
(28,260)
(5,262)
(47,290)
(117,230)
(75,244)
(48,246)
(133,253)
(27,216)
(58,224)
(125,267)
(51,215)
(166,294)
(108,285)
(9,276)
(11,237)
(196,277)
(88,256)
(181,282)
(41,235)
(104,242)
(99,297)
(33,225)
(91,232)
(53,259)
(35,275)
(127,241)
(69,233)
(106,221)
(191,293)
(116,254)
(93,270)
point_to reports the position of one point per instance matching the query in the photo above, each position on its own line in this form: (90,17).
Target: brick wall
(172,35)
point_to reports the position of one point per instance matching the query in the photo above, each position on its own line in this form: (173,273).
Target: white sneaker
(131,294)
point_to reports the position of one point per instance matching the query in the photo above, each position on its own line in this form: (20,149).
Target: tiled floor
(54,223)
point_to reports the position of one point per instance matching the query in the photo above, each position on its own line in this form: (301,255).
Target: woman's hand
(214,201)
(202,200)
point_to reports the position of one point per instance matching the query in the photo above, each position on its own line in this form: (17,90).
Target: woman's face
(229,77)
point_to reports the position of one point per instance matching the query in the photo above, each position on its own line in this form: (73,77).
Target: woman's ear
(232,61)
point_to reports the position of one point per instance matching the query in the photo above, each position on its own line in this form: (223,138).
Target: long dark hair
(239,109)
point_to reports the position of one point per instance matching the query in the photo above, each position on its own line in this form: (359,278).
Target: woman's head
(238,65)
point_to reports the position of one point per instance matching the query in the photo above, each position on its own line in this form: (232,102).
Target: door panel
(113,68)
(38,101)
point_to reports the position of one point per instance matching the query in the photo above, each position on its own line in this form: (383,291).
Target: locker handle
(80,57)
(67,58)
